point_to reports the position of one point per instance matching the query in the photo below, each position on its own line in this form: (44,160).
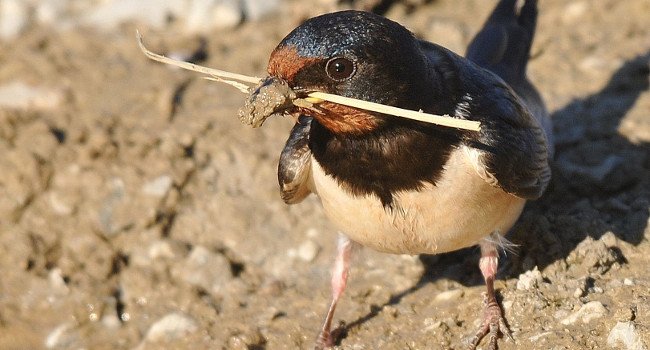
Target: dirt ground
(136,212)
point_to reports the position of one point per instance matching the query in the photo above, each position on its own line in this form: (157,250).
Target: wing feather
(294,168)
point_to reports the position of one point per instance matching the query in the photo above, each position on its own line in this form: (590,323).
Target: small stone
(539,336)
(158,187)
(449,295)
(256,9)
(109,318)
(628,282)
(59,205)
(530,279)
(308,251)
(596,290)
(172,326)
(507,305)
(626,336)
(49,11)
(111,321)
(206,14)
(57,282)
(312,233)
(19,95)
(14,16)
(245,339)
(609,238)
(390,311)
(573,11)
(587,312)
(431,324)
(62,337)
(161,249)
(578,292)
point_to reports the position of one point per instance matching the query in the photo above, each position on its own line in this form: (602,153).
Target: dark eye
(340,68)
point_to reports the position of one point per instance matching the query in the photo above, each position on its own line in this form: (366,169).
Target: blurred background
(136,212)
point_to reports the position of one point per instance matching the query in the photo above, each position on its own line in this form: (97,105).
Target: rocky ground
(136,212)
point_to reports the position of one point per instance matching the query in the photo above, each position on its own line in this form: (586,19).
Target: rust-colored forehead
(285,62)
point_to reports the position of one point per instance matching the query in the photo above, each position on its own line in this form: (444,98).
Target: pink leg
(339,280)
(493,320)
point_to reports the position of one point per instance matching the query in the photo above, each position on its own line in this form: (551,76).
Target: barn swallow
(407,187)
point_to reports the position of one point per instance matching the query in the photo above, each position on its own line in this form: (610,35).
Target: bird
(408,187)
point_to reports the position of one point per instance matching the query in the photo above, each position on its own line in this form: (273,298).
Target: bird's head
(354,54)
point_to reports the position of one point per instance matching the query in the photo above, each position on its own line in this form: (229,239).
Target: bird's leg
(339,280)
(493,321)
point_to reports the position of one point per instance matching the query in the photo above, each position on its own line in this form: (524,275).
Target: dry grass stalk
(444,120)
(238,81)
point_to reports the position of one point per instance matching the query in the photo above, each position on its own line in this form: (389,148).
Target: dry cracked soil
(136,212)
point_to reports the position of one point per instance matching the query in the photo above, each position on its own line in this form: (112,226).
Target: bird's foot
(324,341)
(493,323)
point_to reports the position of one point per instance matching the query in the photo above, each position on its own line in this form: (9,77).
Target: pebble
(256,9)
(109,318)
(206,14)
(161,249)
(308,251)
(158,187)
(14,17)
(529,279)
(59,205)
(172,326)
(19,95)
(574,10)
(62,337)
(578,292)
(431,324)
(587,312)
(537,337)
(50,11)
(627,335)
(312,233)
(57,282)
(449,295)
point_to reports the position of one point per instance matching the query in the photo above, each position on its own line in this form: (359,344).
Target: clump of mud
(271,96)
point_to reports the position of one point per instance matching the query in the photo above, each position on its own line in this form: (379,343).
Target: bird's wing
(294,168)
(514,147)
(511,149)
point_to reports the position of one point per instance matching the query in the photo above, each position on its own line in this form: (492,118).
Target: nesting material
(270,96)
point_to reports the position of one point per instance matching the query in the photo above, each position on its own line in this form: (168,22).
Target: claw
(492,325)
(324,341)
(493,322)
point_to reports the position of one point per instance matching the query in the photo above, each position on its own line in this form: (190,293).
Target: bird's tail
(503,45)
